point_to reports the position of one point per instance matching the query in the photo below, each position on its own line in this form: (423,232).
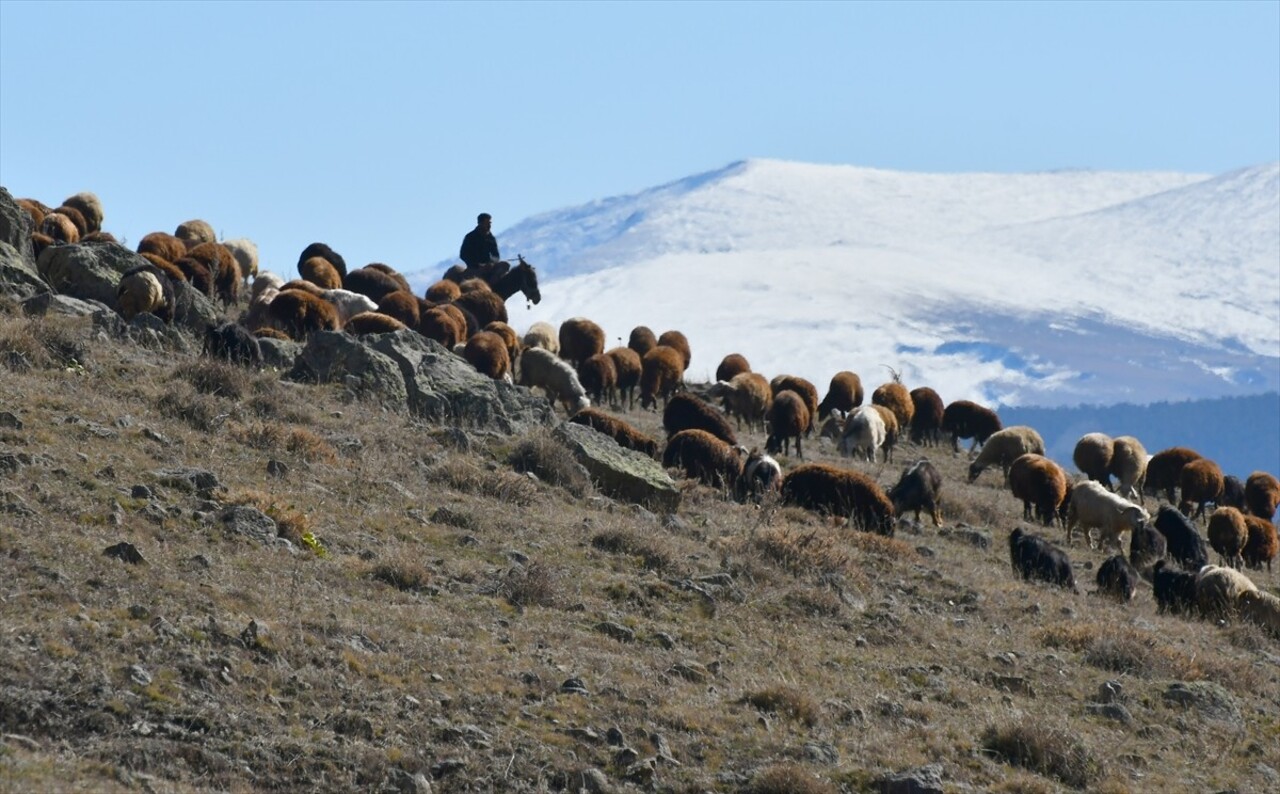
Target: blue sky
(383,128)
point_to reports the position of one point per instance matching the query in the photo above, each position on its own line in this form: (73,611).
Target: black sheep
(1146,547)
(1033,557)
(233,342)
(1232,493)
(1184,542)
(1117,578)
(919,488)
(1175,591)
(326,253)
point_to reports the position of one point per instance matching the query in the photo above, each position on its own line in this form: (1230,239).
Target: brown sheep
(366,323)
(465,320)
(891,430)
(1164,470)
(1039,483)
(369,282)
(599,376)
(165,266)
(660,376)
(77,219)
(90,207)
(196,274)
(163,245)
(222,266)
(678,341)
(304,285)
(704,457)
(580,339)
(474,285)
(627,363)
(99,237)
(787,417)
(328,254)
(438,324)
(391,271)
(267,332)
(747,397)
(194,233)
(642,340)
(1262,495)
(36,210)
(1228,535)
(1262,545)
(403,306)
(686,411)
(626,435)
(300,314)
(487,352)
(926,420)
(60,228)
(807,391)
(41,241)
(443,291)
(487,305)
(839,492)
(843,394)
(321,272)
(896,398)
(1200,481)
(966,419)
(509,338)
(1092,456)
(731,365)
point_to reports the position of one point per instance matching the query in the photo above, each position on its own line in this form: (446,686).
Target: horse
(521,278)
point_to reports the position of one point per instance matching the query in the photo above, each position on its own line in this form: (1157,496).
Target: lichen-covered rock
(335,357)
(15,228)
(18,276)
(89,271)
(621,473)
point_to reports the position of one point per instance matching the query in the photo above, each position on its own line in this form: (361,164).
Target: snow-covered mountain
(1046,289)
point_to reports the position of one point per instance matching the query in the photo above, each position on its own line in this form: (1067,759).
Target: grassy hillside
(438,620)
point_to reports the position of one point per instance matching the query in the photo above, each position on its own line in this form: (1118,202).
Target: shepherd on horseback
(479,252)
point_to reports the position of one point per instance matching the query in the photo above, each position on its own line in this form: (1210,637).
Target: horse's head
(528,281)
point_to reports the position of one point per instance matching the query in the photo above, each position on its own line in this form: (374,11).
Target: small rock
(616,631)
(614,737)
(449,766)
(1111,692)
(10,421)
(139,676)
(923,780)
(574,686)
(1207,698)
(140,492)
(1113,711)
(665,640)
(595,782)
(277,469)
(689,671)
(583,735)
(822,753)
(625,757)
(139,612)
(925,551)
(126,552)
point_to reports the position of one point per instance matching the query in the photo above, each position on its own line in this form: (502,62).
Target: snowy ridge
(1049,289)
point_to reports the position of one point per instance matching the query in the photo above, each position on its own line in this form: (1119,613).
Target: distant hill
(1238,433)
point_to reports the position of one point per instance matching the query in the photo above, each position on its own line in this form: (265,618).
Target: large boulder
(621,473)
(335,357)
(444,388)
(15,227)
(193,310)
(281,354)
(18,276)
(89,271)
(53,303)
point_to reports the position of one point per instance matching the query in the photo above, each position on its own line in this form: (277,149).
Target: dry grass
(456,594)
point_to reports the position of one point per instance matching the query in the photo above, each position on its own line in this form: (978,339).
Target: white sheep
(348,303)
(264,281)
(746,396)
(139,291)
(1094,507)
(557,378)
(1129,466)
(1260,607)
(1218,590)
(543,335)
(1004,447)
(246,253)
(864,433)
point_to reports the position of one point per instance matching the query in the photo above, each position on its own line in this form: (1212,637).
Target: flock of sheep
(572,368)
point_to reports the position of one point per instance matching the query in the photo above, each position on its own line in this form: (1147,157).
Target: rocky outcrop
(621,473)
(15,228)
(89,271)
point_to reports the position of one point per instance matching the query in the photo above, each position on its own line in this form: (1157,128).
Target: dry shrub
(1047,750)
(216,377)
(551,461)
(814,602)
(530,585)
(291,523)
(50,342)
(880,546)
(402,574)
(1122,649)
(788,779)
(786,701)
(803,552)
(464,475)
(978,507)
(310,447)
(199,411)
(622,541)
(259,435)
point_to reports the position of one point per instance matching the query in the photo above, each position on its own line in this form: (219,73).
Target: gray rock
(595,782)
(621,473)
(281,354)
(922,780)
(126,552)
(616,630)
(335,357)
(89,271)
(53,303)
(18,276)
(1112,711)
(15,229)
(194,310)
(1208,699)
(822,753)
(10,421)
(444,388)
(187,479)
(250,522)
(406,783)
